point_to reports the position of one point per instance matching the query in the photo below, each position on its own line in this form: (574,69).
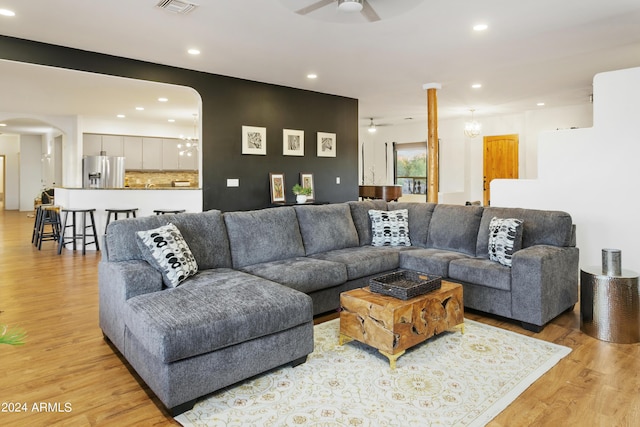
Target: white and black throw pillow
(505,238)
(390,228)
(166,250)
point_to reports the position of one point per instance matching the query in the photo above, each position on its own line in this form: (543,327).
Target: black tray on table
(405,284)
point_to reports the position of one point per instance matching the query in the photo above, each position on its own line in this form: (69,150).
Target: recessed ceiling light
(312,76)
(476,85)
(121,116)
(480,27)
(171,120)
(7,12)
(3,124)
(163,99)
(540,104)
(140,108)
(193,52)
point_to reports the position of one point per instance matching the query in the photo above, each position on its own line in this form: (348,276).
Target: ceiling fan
(347,6)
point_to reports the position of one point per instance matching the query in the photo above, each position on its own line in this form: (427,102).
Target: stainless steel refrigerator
(103,172)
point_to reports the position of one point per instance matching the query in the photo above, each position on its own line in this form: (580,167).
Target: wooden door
(500,161)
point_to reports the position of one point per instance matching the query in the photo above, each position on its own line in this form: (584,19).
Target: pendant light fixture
(472,128)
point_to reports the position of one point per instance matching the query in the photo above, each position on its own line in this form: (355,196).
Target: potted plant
(301,193)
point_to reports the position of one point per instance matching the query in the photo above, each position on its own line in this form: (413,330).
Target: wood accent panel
(433,151)
(55,299)
(500,161)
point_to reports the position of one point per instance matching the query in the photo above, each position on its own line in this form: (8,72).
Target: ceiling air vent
(176,6)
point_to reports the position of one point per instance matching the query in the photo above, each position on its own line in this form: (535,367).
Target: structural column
(433,171)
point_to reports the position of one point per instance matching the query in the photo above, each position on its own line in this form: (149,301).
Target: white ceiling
(534,51)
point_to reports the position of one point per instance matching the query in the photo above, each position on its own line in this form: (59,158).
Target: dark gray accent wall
(228,103)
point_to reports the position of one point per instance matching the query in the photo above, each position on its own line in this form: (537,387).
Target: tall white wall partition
(592,173)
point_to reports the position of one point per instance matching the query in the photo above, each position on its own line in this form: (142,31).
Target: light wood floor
(67,366)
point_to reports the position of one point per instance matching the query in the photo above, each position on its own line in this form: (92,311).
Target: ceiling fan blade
(368,12)
(314,6)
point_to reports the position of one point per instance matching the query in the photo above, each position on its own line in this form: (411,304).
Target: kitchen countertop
(134,188)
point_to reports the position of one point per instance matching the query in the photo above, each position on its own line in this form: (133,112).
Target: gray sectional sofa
(263,275)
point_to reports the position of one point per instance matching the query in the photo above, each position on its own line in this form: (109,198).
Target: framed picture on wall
(277,187)
(292,142)
(326,144)
(306,180)
(254,140)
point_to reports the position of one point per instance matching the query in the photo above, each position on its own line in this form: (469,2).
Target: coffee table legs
(343,339)
(392,358)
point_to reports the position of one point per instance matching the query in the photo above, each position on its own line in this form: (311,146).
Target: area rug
(452,379)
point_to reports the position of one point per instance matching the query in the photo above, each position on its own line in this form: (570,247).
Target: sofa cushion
(166,250)
(505,238)
(538,227)
(364,261)
(362,221)
(455,228)
(263,236)
(419,220)
(215,309)
(204,232)
(302,274)
(431,261)
(390,228)
(481,272)
(326,227)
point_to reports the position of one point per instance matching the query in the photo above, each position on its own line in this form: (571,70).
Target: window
(410,167)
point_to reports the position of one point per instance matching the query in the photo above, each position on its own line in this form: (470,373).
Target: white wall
(31,167)
(10,147)
(461,157)
(592,173)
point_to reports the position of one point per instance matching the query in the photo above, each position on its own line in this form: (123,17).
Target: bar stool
(115,213)
(82,235)
(168,211)
(36,225)
(49,216)
(46,215)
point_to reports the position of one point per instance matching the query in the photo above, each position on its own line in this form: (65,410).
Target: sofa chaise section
(218,327)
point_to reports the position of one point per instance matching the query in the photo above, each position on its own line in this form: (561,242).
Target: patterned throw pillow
(166,250)
(390,228)
(505,238)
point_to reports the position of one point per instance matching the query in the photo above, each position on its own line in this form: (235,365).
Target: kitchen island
(146,200)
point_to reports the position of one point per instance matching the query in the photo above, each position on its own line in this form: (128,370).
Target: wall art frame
(326,144)
(254,140)
(292,142)
(277,187)
(306,180)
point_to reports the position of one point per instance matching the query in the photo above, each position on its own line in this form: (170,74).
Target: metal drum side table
(610,305)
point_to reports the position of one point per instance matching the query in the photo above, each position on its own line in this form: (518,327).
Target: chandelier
(472,128)
(190,145)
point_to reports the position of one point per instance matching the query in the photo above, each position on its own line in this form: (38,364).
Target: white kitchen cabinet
(170,153)
(133,152)
(94,144)
(91,144)
(152,153)
(112,145)
(188,162)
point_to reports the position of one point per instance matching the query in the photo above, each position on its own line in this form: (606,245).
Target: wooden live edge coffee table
(392,325)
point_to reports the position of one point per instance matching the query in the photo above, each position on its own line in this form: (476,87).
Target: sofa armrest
(128,278)
(544,282)
(117,282)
